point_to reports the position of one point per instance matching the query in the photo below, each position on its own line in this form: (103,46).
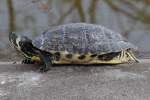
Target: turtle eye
(20,44)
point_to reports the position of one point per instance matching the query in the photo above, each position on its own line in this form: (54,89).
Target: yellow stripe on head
(17,42)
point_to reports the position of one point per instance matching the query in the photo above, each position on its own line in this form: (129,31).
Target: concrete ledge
(120,82)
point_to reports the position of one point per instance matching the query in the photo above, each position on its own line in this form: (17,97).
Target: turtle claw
(27,61)
(43,69)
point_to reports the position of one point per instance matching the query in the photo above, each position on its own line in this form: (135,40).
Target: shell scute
(81,38)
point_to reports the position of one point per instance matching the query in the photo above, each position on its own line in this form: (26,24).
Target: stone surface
(120,82)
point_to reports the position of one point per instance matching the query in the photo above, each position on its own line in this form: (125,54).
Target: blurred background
(131,18)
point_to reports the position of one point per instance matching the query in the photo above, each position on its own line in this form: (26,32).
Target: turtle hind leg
(131,57)
(46,59)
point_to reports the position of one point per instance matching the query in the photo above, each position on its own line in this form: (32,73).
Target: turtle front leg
(47,61)
(27,61)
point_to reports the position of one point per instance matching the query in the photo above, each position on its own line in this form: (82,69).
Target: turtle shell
(81,38)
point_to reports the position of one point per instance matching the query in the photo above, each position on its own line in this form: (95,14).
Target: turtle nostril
(13,39)
(12,35)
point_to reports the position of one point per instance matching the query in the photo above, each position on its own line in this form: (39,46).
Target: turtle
(75,43)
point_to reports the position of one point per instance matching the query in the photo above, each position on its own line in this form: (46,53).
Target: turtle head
(22,44)
(19,41)
(12,38)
